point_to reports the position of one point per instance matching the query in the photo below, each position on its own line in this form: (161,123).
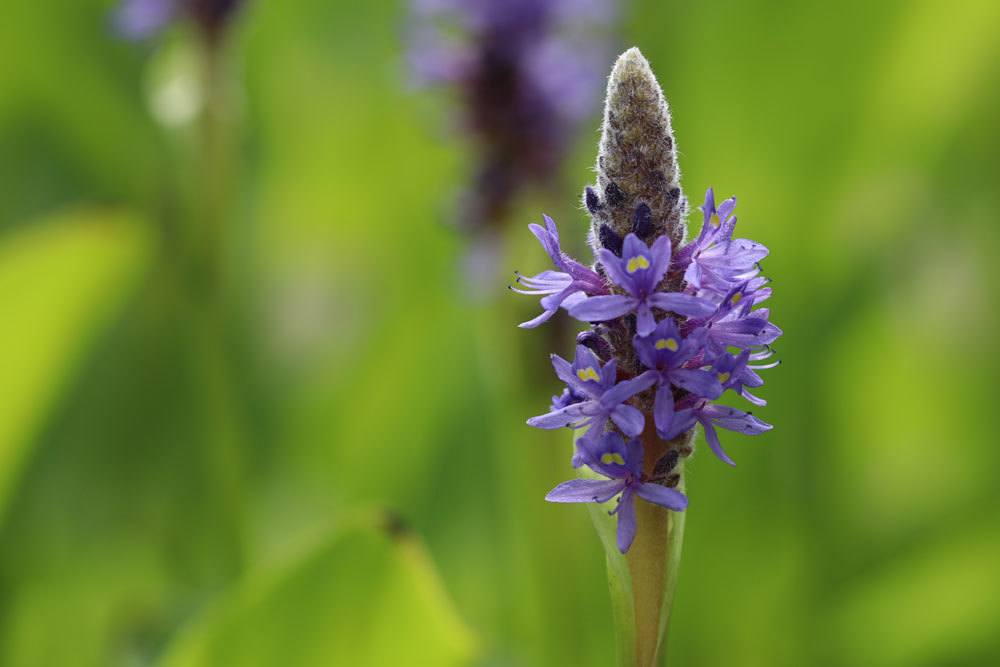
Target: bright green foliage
(361,598)
(61,279)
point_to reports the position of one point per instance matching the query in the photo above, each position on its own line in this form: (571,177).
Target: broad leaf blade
(363,598)
(61,280)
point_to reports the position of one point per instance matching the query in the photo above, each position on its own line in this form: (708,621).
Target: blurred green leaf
(366,597)
(61,280)
(929,607)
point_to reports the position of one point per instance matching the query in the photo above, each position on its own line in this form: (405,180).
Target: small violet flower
(693,411)
(639,270)
(675,361)
(604,398)
(572,282)
(621,462)
(718,262)
(735,324)
(735,372)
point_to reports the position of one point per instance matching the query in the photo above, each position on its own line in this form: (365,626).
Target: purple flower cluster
(525,72)
(693,330)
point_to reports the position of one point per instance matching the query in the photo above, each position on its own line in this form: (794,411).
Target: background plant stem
(208,264)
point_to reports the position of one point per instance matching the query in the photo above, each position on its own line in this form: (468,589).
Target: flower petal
(570,416)
(664,496)
(698,382)
(756,400)
(585,491)
(626,521)
(661,260)
(563,369)
(634,456)
(626,389)
(628,419)
(663,408)
(683,421)
(538,321)
(713,441)
(737,420)
(613,267)
(682,304)
(548,239)
(601,308)
(645,323)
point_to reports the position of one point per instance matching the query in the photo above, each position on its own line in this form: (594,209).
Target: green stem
(642,582)
(211,221)
(651,563)
(208,262)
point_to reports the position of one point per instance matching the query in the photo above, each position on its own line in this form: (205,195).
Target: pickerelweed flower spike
(674,327)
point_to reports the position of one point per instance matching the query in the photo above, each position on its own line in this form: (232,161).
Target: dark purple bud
(666,463)
(642,221)
(613,194)
(595,342)
(610,240)
(593,202)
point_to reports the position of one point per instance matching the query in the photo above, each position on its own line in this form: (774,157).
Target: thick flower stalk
(525,74)
(674,326)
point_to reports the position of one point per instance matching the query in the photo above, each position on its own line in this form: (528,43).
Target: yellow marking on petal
(736,298)
(588,373)
(714,220)
(723,378)
(612,457)
(666,344)
(636,263)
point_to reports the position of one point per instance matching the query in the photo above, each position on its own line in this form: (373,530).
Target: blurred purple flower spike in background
(526,74)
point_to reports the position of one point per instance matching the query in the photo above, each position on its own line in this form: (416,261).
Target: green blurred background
(304,444)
